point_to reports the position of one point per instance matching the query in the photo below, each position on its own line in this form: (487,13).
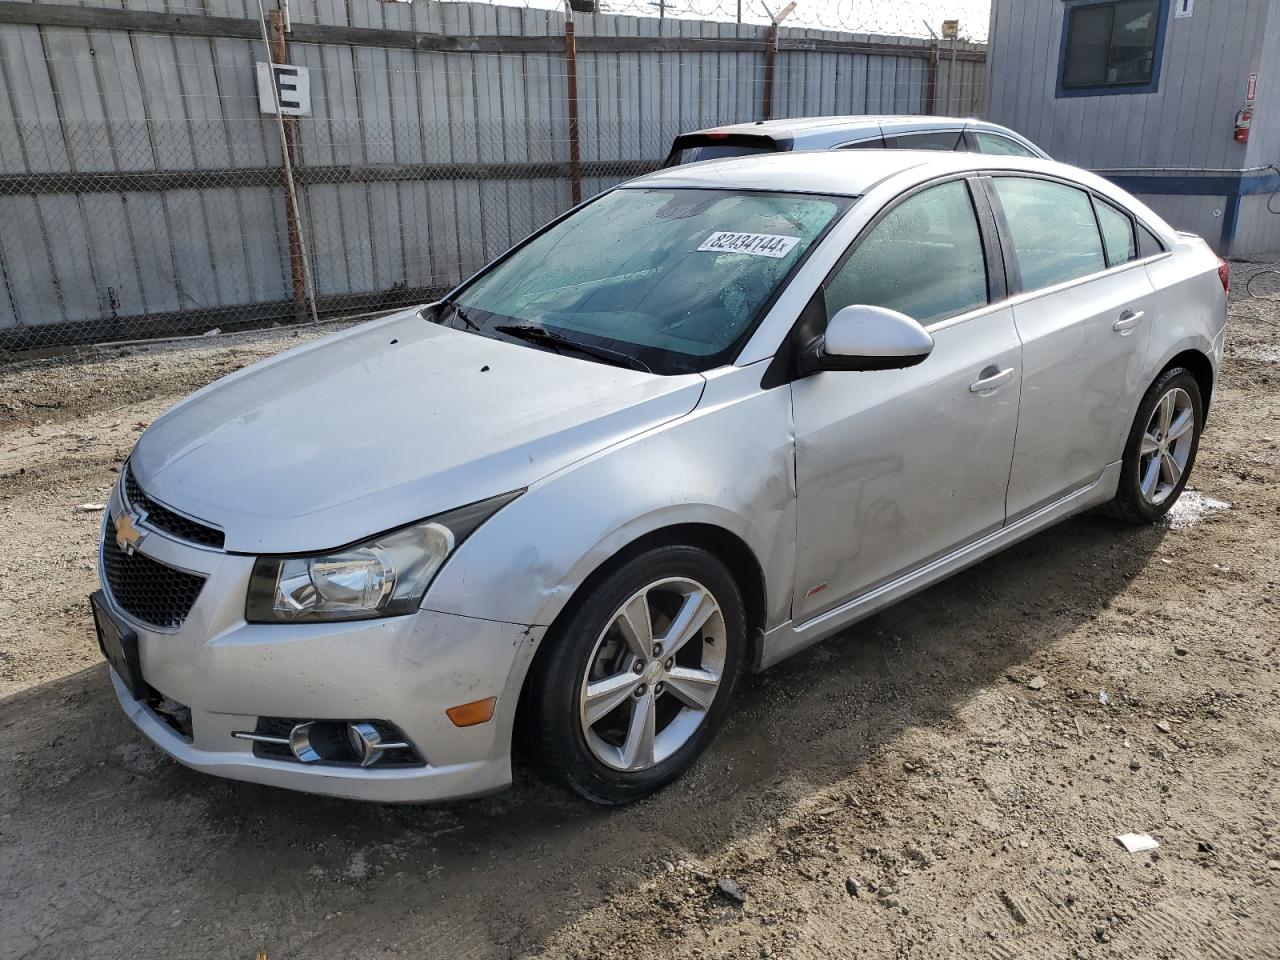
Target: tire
(588,742)
(1138,499)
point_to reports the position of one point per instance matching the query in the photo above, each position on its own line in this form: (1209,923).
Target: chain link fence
(143,192)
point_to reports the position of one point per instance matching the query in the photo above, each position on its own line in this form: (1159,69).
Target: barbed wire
(911,18)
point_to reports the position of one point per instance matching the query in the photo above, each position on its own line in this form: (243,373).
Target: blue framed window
(1111,47)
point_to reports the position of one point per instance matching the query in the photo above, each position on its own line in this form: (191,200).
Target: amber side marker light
(470,714)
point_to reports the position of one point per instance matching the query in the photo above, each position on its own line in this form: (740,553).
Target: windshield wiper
(536,334)
(457,312)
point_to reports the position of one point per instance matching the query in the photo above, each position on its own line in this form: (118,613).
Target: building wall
(1257,227)
(1197,214)
(1264,138)
(1173,147)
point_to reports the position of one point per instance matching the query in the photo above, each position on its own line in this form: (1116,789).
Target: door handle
(991,379)
(1128,320)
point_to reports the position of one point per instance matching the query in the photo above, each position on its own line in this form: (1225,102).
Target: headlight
(382,577)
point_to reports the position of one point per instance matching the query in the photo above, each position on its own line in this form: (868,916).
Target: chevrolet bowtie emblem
(128,536)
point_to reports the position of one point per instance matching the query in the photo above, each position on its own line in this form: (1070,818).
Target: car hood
(385,424)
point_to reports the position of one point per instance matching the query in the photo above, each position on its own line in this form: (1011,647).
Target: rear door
(1085,321)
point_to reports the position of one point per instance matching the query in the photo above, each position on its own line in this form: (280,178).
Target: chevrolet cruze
(693,426)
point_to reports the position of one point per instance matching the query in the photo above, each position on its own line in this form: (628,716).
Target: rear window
(713,151)
(692,149)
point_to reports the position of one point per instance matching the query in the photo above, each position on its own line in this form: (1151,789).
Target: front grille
(162,518)
(146,589)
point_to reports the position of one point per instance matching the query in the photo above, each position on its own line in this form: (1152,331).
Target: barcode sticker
(757,244)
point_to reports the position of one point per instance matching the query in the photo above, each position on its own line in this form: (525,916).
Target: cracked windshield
(664,280)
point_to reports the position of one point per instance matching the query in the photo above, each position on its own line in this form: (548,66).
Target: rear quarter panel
(1190,304)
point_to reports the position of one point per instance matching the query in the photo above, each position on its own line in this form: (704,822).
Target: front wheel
(1161,449)
(639,678)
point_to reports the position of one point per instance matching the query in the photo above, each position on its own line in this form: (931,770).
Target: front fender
(729,463)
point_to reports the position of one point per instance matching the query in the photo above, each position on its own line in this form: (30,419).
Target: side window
(873,144)
(994,143)
(1117,233)
(1148,244)
(1054,234)
(923,259)
(929,140)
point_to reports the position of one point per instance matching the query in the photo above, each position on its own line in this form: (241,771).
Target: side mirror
(861,337)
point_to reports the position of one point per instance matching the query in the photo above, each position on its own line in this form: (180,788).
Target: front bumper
(404,670)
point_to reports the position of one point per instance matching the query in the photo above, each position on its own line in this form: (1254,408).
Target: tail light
(1224,274)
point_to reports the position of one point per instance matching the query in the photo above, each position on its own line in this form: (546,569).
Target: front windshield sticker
(757,244)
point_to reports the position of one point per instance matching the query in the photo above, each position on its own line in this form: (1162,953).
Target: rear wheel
(640,677)
(1161,449)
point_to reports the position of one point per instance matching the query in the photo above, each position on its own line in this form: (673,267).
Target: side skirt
(788,638)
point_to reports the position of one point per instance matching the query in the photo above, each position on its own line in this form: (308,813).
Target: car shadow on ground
(106,832)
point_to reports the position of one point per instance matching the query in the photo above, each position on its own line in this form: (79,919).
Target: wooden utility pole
(279,50)
(771,55)
(571,77)
(931,81)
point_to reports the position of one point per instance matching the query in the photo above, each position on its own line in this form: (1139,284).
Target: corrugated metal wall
(1184,129)
(141,191)
(1187,123)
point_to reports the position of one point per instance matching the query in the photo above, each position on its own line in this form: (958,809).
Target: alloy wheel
(653,674)
(1166,446)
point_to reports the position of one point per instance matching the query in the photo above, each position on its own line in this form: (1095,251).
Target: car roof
(810,132)
(790,125)
(838,172)
(852,173)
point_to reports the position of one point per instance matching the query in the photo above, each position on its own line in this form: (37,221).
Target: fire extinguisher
(1244,120)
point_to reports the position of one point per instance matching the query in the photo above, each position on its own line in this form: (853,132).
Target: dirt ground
(944,780)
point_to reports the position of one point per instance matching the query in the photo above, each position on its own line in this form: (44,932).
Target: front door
(896,467)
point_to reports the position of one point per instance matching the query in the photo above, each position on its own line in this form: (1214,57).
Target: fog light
(367,743)
(318,740)
(301,745)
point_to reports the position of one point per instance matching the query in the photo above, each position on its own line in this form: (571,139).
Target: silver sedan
(693,426)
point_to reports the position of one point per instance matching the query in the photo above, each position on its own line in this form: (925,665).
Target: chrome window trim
(1033,295)
(853,143)
(1091,192)
(1027,297)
